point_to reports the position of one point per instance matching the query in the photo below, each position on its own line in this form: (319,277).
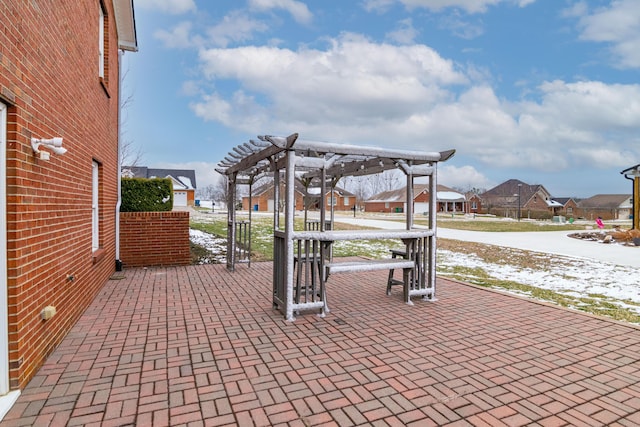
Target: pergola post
(231,222)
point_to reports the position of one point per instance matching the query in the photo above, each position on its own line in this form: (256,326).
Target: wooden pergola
(303,258)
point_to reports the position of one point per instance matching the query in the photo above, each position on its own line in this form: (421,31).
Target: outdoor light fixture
(55,144)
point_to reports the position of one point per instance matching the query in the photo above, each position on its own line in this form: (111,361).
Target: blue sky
(545,91)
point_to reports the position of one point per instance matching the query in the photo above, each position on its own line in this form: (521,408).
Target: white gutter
(119,173)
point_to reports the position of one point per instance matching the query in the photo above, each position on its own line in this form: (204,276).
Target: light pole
(519,188)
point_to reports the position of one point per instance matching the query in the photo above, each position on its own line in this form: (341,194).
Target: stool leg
(390,279)
(406,279)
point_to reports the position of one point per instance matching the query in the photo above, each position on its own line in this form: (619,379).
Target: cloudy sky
(545,91)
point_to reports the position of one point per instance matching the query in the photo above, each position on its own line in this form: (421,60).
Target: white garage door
(420,208)
(179,198)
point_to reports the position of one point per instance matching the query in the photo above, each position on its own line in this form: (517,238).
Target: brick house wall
(386,207)
(49,79)
(343,202)
(569,210)
(262,200)
(151,239)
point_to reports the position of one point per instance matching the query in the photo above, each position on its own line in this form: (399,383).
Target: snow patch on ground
(215,245)
(575,276)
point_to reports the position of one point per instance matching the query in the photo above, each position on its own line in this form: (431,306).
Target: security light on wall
(55,144)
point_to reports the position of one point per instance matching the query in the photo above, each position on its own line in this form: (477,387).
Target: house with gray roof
(514,197)
(606,206)
(184,181)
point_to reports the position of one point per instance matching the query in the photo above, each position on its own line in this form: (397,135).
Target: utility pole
(519,206)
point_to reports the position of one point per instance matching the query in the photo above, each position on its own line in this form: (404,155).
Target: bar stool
(395,253)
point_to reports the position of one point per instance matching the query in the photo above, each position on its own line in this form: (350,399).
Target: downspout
(635,209)
(119,173)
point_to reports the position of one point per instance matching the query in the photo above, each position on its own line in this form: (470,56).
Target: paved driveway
(200,346)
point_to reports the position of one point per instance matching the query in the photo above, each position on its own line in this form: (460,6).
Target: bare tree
(358,186)
(386,181)
(221,188)
(206,193)
(130,154)
(366,186)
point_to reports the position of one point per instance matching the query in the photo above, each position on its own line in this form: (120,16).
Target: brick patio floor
(199,345)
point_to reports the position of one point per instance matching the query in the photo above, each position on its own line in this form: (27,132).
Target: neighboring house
(448,200)
(474,203)
(606,206)
(184,181)
(567,207)
(341,199)
(59,78)
(513,196)
(263,196)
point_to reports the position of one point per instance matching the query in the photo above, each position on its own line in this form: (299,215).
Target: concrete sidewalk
(200,346)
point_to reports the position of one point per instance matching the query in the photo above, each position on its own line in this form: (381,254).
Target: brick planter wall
(152,239)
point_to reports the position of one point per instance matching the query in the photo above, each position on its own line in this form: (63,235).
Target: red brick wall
(382,206)
(49,80)
(154,238)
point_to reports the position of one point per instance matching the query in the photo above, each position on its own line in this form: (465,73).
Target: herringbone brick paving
(200,346)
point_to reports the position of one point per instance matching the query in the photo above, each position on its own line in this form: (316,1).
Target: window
(345,201)
(101,43)
(569,210)
(95,199)
(474,205)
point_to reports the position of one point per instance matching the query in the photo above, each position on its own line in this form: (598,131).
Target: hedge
(146,195)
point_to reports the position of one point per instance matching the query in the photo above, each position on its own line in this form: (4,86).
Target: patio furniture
(391,281)
(299,274)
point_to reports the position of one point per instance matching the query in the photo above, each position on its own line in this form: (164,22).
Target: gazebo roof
(257,157)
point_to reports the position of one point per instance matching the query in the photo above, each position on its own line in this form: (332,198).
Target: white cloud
(235,27)
(357,91)
(174,7)
(178,37)
(618,25)
(297,9)
(405,34)
(469,6)
(461,27)
(464,177)
(352,74)
(380,6)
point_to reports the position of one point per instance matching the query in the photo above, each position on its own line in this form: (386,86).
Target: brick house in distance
(263,196)
(59,78)
(533,200)
(448,200)
(606,206)
(568,207)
